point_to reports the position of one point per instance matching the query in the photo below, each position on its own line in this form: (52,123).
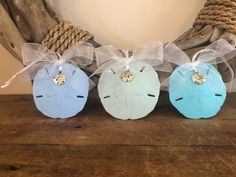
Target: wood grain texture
(93,144)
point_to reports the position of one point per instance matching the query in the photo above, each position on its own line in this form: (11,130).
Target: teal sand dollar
(200,95)
(196,88)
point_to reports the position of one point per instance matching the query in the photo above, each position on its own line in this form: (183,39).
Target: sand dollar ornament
(60,87)
(129,86)
(196,88)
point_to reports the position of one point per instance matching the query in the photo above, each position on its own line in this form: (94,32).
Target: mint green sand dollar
(132,97)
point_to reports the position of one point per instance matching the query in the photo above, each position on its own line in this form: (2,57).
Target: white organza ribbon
(151,53)
(36,56)
(218,52)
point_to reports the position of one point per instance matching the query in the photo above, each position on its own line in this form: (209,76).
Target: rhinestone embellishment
(199,78)
(59,79)
(127,76)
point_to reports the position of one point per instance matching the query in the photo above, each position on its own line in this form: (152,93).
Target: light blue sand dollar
(197,100)
(129,95)
(60,95)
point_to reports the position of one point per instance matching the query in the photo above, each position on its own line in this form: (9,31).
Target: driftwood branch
(194,37)
(10,37)
(52,11)
(27,21)
(32,19)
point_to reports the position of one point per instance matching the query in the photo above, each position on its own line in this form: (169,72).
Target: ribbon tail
(91,84)
(232,76)
(8,82)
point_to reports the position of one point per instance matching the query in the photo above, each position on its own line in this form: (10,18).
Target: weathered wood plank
(114,161)
(93,144)
(20,122)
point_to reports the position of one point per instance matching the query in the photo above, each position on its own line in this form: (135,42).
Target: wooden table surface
(95,145)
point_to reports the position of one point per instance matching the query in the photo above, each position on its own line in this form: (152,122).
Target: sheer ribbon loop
(36,56)
(218,52)
(151,53)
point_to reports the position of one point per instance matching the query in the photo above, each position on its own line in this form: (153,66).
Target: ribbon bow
(218,52)
(151,53)
(35,56)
